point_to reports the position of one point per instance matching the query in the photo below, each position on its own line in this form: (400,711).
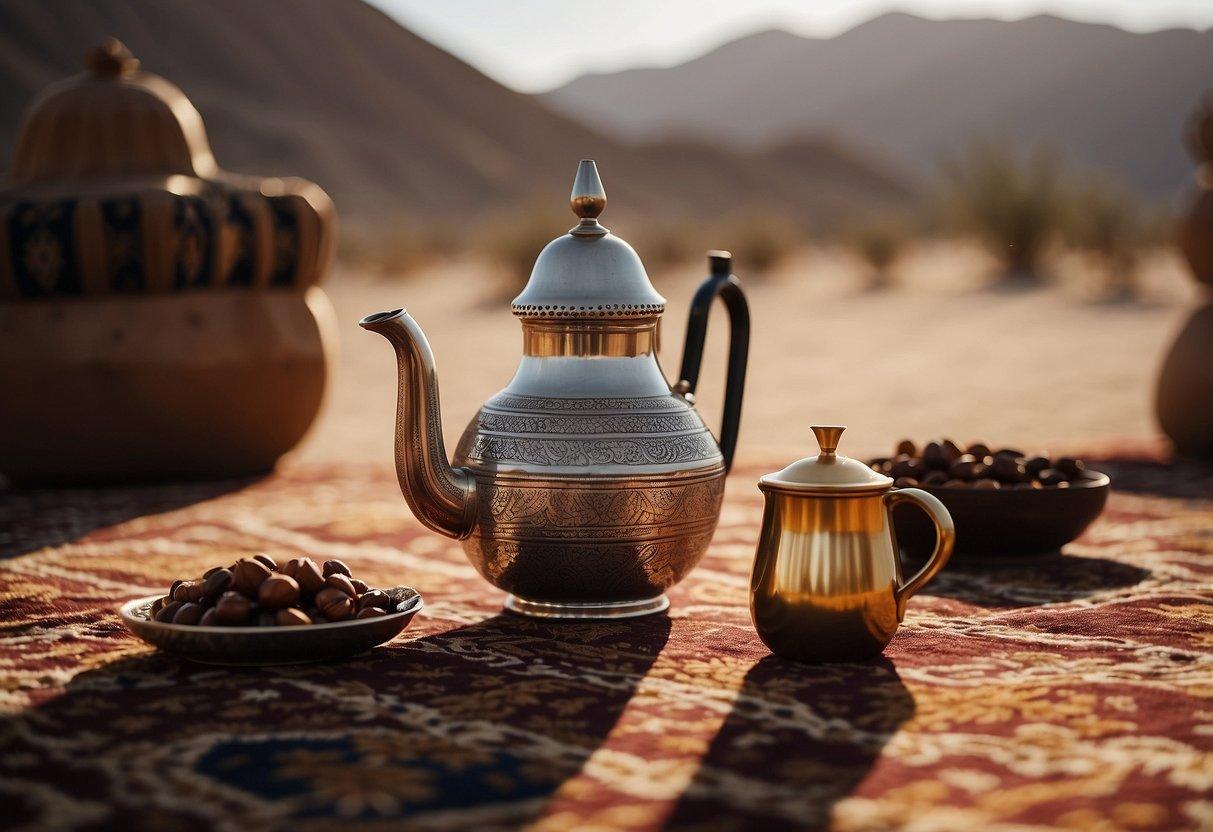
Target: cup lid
(828,471)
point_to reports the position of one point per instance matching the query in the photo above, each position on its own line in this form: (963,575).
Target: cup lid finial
(827,437)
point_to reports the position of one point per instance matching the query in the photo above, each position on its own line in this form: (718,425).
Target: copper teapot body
(588,486)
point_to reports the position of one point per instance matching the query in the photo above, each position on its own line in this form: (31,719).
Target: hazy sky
(533,45)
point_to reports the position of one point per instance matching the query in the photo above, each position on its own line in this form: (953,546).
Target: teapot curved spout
(442,498)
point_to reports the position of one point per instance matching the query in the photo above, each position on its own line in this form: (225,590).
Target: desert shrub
(664,244)
(1012,203)
(879,243)
(759,241)
(395,249)
(1110,224)
(513,240)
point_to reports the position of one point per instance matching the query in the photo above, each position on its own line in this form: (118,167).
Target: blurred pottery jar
(159,318)
(1184,398)
(827,584)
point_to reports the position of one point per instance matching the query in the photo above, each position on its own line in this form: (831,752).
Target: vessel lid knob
(111,59)
(827,437)
(588,197)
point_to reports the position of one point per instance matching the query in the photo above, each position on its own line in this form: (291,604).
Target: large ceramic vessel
(1184,400)
(158,317)
(588,486)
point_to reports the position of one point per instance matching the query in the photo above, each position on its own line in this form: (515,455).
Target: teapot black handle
(724,284)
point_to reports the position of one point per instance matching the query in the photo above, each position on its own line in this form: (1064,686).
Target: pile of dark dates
(944,464)
(256,592)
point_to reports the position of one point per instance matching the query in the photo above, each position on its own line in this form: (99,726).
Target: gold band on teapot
(550,338)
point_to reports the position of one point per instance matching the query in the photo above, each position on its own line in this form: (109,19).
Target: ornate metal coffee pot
(588,486)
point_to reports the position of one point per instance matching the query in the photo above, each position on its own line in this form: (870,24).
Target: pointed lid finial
(588,197)
(827,438)
(111,60)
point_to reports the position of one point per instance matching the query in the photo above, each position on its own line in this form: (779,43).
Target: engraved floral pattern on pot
(589,541)
(585,508)
(598,451)
(493,422)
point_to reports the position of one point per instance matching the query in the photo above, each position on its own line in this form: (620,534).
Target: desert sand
(941,352)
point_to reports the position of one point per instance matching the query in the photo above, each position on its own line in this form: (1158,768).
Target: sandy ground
(940,353)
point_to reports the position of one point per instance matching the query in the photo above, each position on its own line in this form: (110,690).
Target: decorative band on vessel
(605,310)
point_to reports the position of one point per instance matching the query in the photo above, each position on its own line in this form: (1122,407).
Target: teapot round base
(619,609)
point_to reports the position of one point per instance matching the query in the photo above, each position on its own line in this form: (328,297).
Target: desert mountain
(1108,99)
(390,125)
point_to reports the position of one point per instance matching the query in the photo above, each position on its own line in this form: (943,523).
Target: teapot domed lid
(110,121)
(588,272)
(828,471)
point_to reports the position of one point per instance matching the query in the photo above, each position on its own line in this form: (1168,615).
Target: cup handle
(945,537)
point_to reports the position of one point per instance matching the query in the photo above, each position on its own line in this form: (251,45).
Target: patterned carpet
(1071,693)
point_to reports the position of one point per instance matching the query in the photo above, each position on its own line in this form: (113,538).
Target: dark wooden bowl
(1007,522)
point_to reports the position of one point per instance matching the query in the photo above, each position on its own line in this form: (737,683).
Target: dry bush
(1111,225)
(1012,203)
(395,249)
(665,244)
(879,243)
(759,241)
(512,241)
(509,241)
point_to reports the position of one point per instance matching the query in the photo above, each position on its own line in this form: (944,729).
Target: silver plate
(264,646)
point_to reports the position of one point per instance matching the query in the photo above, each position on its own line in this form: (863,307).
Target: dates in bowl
(257,612)
(1003,502)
